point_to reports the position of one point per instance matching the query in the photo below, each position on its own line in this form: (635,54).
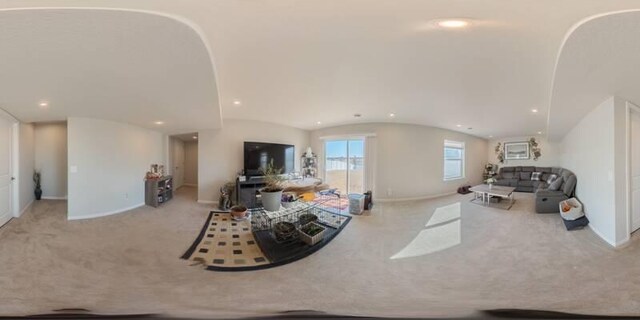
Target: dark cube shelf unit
(158,191)
(248,192)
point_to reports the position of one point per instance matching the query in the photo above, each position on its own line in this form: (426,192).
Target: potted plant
(36,179)
(271,194)
(289,199)
(311,233)
(238,212)
(490,182)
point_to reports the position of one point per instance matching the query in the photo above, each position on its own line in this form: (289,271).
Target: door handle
(13,178)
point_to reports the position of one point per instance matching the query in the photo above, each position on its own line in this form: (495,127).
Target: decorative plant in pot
(490,182)
(272,194)
(38,190)
(311,233)
(289,199)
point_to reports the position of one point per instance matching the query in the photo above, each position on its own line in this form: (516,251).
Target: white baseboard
(25,208)
(54,198)
(599,234)
(414,198)
(104,214)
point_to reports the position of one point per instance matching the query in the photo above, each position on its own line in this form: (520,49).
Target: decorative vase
(271,200)
(38,193)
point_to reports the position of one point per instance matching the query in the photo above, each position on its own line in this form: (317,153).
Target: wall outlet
(389,192)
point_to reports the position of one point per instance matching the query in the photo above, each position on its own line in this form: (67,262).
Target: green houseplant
(271,194)
(38,190)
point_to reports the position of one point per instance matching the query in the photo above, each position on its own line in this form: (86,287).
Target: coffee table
(485,192)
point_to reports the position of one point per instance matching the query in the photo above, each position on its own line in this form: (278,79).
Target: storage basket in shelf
(575,209)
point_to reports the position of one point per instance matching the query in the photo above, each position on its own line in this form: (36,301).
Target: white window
(453,160)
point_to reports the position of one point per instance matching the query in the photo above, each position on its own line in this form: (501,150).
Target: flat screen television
(258,154)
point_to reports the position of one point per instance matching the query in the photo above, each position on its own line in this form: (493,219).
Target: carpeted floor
(129,263)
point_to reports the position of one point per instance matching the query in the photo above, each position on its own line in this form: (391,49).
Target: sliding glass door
(344,165)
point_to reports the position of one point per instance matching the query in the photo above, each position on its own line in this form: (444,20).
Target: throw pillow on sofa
(555,185)
(536,176)
(552,178)
(525,175)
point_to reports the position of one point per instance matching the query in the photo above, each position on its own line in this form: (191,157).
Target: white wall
(408,159)
(595,150)
(550,152)
(221,152)
(191,163)
(111,160)
(51,158)
(26,157)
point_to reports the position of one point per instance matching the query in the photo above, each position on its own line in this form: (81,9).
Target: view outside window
(453,160)
(344,165)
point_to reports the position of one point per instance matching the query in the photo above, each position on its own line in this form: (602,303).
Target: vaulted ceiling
(301,63)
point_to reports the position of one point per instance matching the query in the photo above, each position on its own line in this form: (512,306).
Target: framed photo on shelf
(516,150)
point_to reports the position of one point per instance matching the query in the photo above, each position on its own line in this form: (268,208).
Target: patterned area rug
(341,204)
(228,245)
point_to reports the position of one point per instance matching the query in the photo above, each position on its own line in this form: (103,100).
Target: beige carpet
(129,263)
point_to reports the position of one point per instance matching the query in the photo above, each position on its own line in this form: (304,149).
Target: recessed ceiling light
(458,125)
(159,122)
(43,104)
(237,102)
(534,110)
(453,23)
(319,122)
(195,137)
(392,115)
(539,132)
(490,136)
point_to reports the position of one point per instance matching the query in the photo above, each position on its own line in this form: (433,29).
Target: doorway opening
(183,157)
(344,164)
(634,167)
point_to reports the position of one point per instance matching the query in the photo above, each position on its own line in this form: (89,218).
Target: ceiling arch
(599,58)
(132,66)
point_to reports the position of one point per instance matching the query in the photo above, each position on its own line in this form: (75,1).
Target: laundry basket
(571,209)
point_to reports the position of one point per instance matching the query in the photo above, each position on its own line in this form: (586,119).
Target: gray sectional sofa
(547,196)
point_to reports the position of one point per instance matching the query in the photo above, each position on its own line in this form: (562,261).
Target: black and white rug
(228,245)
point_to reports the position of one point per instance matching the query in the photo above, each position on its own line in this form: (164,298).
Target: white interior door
(635,170)
(178,163)
(6,138)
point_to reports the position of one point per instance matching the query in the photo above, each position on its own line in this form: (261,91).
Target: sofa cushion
(545,176)
(508,175)
(555,185)
(543,169)
(569,185)
(537,184)
(525,175)
(556,170)
(508,169)
(525,183)
(528,169)
(504,182)
(518,169)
